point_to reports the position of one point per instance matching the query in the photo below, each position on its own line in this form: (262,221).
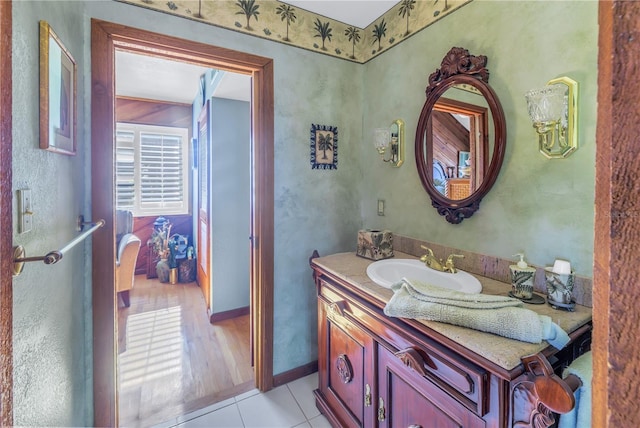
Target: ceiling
(359,13)
(153,78)
(142,76)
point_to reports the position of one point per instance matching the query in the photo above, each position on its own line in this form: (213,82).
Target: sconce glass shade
(546,104)
(554,113)
(381,139)
(391,138)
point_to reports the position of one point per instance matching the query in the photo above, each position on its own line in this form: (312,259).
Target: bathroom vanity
(379,371)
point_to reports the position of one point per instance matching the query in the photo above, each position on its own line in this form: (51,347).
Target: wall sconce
(554,112)
(391,138)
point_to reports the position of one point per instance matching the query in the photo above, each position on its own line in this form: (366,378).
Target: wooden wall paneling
(451,131)
(449,137)
(616,294)
(6,225)
(152,112)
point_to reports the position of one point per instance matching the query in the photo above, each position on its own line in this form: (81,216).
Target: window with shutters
(152,169)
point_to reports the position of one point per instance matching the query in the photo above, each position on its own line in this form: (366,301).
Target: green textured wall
(51,304)
(539,206)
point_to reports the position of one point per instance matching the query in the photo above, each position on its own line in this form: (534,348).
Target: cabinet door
(346,368)
(407,399)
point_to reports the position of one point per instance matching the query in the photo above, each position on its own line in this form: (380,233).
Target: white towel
(580,415)
(499,315)
(431,293)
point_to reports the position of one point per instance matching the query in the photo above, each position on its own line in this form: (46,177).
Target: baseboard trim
(297,373)
(226,315)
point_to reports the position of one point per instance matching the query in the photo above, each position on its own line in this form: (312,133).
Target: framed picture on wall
(324,147)
(58,110)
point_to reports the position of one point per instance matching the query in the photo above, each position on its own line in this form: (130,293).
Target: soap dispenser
(522,276)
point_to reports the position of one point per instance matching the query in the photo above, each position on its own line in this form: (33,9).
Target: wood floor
(171,360)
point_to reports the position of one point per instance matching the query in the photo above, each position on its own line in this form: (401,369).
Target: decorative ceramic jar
(559,287)
(163,270)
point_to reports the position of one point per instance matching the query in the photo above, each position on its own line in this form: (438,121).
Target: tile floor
(287,406)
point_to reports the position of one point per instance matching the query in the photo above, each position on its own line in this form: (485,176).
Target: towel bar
(52,257)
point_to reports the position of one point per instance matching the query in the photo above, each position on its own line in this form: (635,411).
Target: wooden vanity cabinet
(376,371)
(369,379)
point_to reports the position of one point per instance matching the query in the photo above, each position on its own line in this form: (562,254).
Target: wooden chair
(128,247)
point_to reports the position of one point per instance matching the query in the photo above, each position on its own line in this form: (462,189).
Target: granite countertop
(502,351)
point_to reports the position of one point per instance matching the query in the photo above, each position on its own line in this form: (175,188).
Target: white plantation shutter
(125,170)
(160,169)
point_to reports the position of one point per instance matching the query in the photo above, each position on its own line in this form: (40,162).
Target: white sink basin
(389,271)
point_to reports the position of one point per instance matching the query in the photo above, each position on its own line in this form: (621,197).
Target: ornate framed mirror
(461,135)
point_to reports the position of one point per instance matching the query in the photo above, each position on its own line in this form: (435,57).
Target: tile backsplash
(490,266)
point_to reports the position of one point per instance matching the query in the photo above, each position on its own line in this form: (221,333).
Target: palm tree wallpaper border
(283,23)
(324,147)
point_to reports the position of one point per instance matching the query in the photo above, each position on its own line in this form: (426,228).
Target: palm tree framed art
(324,147)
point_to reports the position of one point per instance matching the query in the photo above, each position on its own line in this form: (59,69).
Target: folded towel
(499,315)
(580,416)
(431,293)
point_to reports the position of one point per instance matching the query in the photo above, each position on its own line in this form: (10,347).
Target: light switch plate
(25,213)
(380,206)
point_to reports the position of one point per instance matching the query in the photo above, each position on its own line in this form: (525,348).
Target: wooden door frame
(6,225)
(105,38)
(616,293)
(204,174)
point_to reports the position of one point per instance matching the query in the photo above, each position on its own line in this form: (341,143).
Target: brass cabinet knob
(381,412)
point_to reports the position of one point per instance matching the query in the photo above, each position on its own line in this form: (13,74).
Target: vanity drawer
(461,379)
(338,303)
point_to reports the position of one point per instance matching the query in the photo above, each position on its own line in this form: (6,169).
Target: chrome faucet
(434,263)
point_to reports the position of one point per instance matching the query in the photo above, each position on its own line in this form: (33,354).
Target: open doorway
(106,39)
(182,156)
